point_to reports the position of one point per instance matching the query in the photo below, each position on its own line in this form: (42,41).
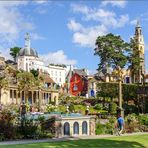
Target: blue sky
(64,31)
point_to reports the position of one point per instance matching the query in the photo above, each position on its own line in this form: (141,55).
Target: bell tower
(139,40)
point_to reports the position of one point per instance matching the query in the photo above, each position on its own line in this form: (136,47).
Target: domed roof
(25,52)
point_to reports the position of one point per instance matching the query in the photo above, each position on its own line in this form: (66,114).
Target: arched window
(66,129)
(84,127)
(76,128)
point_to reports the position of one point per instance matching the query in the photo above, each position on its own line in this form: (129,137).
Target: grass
(136,141)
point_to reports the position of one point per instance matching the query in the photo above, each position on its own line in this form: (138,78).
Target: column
(16,97)
(32,92)
(12,96)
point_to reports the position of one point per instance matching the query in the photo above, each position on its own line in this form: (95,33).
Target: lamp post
(120,91)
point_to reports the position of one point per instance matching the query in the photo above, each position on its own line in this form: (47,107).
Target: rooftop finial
(138,23)
(27,42)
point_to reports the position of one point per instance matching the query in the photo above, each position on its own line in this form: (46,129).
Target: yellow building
(11,95)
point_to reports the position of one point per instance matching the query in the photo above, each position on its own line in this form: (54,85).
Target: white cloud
(120,3)
(12,22)
(57,57)
(80,8)
(36,36)
(133,22)
(41,1)
(86,35)
(74,26)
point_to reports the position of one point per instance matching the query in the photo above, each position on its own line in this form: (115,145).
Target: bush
(100,129)
(130,109)
(98,107)
(28,128)
(112,108)
(7,125)
(143,119)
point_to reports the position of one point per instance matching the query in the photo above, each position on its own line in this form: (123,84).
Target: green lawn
(136,141)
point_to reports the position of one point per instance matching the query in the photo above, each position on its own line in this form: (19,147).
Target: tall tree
(112,51)
(14,52)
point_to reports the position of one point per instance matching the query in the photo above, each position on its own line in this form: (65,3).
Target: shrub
(98,107)
(7,125)
(100,129)
(112,108)
(143,119)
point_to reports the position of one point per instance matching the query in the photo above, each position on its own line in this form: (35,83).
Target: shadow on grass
(95,143)
(120,142)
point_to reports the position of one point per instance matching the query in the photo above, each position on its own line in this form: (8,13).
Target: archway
(76,128)
(66,129)
(84,128)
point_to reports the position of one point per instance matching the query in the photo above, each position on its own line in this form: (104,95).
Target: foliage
(112,51)
(129,91)
(128,109)
(112,108)
(35,73)
(25,82)
(14,52)
(107,90)
(7,124)
(3,85)
(134,59)
(29,128)
(71,107)
(100,129)
(50,108)
(107,128)
(143,119)
(98,107)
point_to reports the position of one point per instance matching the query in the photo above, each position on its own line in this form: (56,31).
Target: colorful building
(79,82)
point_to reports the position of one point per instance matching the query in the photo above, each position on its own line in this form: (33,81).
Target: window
(66,129)
(76,128)
(84,127)
(127,80)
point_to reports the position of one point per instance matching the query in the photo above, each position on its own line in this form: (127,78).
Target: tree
(35,73)
(14,52)
(112,51)
(26,81)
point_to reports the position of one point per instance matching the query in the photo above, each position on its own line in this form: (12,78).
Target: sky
(64,31)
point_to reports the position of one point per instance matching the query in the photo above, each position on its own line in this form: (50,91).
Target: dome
(25,52)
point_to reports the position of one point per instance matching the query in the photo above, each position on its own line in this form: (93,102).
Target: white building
(28,59)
